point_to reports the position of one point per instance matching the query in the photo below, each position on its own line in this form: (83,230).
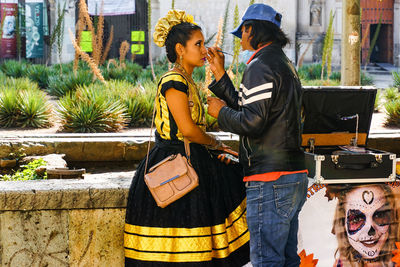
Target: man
(266,114)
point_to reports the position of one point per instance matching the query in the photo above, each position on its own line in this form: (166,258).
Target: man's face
(245,41)
(368,217)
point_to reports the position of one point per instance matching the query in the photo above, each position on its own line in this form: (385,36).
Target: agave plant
(62,84)
(140,102)
(392,109)
(391,94)
(2,77)
(9,107)
(21,84)
(90,110)
(35,110)
(396,79)
(366,79)
(40,74)
(377,100)
(14,68)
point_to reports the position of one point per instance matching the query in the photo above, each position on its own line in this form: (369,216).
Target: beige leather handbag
(173,177)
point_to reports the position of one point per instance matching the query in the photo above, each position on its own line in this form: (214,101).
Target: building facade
(305,22)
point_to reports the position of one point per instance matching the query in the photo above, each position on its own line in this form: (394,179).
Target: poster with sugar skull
(351,224)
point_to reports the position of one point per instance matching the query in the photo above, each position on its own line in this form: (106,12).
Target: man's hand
(214,106)
(217,61)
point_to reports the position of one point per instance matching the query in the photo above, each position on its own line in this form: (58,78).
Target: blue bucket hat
(258,12)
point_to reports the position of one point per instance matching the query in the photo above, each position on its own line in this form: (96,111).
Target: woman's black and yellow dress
(206,227)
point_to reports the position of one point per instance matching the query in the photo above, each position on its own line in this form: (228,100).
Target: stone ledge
(90,147)
(64,194)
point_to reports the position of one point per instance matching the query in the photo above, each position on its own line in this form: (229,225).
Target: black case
(335,144)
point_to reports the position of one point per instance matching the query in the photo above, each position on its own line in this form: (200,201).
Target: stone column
(351,42)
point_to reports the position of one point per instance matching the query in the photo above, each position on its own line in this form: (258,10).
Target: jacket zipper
(247,152)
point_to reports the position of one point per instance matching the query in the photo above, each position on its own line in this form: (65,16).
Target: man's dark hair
(264,31)
(180,33)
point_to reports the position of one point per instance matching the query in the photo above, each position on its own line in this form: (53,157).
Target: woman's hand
(217,61)
(229,156)
(214,106)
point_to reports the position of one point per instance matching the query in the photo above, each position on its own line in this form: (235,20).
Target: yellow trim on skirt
(187,244)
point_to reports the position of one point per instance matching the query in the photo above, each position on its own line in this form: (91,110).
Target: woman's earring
(180,59)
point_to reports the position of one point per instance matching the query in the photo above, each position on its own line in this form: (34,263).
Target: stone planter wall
(68,223)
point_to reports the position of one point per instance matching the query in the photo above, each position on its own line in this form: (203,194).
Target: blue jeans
(272,217)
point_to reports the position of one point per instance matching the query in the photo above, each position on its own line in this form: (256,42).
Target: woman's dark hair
(264,31)
(180,33)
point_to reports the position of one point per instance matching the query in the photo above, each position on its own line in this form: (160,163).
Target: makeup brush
(226,53)
(223,52)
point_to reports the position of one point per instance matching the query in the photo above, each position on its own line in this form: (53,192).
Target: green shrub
(2,77)
(65,68)
(134,71)
(40,74)
(366,79)
(22,104)
(21,84)
(318,82)
(159,69)
(27,172)
(310,72)
(396,79)
(14,68)
(90,109)
(392,109)
(9,107)
(60,85)
(129,73)
(391,94)
(377,100)
(199,74)
(35,110)
(139,102)
(336,75)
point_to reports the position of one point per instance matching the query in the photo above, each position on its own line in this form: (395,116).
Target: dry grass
(218,42)
(112,62)
(87,58)
(218,38)
(79,28)
(123,50)
(108,46)
(98,42)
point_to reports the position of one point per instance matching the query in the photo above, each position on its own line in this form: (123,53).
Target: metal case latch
(353,141)
(378,158)
(335,159)
(311,143)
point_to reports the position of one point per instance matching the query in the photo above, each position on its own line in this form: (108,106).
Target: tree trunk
(351,43)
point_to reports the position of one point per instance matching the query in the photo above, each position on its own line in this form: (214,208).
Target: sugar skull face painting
(367,220)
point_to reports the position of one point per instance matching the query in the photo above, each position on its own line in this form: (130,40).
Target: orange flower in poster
(396,253)
(307,261)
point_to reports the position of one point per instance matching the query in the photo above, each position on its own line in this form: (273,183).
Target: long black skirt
(206,227)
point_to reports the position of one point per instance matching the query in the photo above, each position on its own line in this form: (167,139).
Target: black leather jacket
(265,113)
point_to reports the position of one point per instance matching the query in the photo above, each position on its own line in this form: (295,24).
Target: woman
(207,226)
(365,226)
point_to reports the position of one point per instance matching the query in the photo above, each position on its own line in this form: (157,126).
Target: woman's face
(195,52)
(368,216)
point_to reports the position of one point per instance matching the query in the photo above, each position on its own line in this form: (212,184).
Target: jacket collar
(252,57)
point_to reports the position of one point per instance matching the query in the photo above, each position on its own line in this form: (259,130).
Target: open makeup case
(336,123)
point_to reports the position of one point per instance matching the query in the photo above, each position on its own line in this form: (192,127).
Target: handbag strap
(185,141)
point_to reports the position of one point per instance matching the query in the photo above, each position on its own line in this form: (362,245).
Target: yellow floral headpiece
(165,24)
